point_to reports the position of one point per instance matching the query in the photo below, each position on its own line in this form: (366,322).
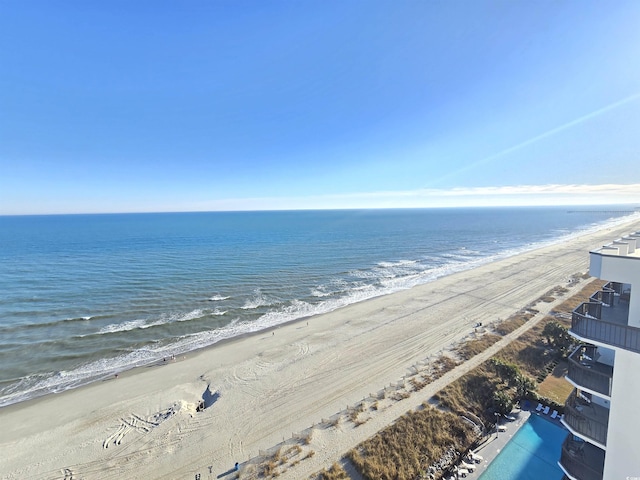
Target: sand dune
(261,389)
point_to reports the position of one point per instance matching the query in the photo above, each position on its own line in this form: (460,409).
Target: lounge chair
(554,414)
(468,466)
(462,472)
(546,410)
(539,407)
(475,457)
(510,418)
(502,428)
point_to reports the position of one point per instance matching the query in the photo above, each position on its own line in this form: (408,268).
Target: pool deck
(497,440)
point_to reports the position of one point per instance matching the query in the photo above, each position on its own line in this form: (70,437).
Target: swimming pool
(531,454)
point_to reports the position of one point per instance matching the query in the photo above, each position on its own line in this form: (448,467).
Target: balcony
(586,419)
(586,372)
(616,287)
(581,460)
(592,321)
(605,296)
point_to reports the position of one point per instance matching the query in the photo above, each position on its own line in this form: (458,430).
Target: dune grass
(471,348)
(335,472)
(404,450)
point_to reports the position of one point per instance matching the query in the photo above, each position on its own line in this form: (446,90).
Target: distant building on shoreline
(602,413)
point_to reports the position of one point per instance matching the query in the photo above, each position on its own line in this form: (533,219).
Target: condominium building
(603,412)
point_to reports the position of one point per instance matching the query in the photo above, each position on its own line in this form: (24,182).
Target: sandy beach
(262,389)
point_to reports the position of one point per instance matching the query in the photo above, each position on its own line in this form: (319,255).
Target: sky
(121,106)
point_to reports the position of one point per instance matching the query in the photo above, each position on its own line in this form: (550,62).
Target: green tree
(524,386)
(508,372)
(558,337)
(502,402)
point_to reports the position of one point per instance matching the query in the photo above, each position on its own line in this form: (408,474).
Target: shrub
(416,440)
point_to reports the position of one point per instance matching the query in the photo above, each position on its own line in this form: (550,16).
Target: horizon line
(634,207)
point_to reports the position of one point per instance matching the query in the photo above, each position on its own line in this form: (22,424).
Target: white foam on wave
(218,298)
(390,270)
(164,319)
(399,263)
(257,300)
(457,256)
(125,326)
(217,312)
(185,317)
(321,292)
(335,286)
(54,382)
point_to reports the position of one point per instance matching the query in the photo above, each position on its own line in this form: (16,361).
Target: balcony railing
(587,419)
(604,296)
(590,309)
(616,287)
(582,460)
(586,322)
(589,374)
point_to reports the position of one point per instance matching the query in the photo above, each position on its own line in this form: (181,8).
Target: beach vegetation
(409,446)
(400,395)
(508,372)
(502,402)
(473,347)
(335,472)
(442,365)
(283,458)
(309,437)
(418,384)
(525,386)
(514,322)
(353,415)
(551,295)
(558,337)
(555,387)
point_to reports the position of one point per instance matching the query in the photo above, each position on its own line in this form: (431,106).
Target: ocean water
(85,296)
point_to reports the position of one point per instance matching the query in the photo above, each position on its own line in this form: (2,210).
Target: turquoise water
(532,453)
(85,296)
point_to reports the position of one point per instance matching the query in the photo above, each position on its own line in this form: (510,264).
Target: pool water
(532,453)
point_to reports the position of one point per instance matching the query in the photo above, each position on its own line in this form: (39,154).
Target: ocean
(83,297)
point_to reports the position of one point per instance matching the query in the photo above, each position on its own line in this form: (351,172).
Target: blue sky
(118,106)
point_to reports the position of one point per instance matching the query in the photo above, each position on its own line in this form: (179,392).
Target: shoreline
(270,385)
(503,255)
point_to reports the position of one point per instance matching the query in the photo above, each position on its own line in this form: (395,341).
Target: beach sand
(264,388)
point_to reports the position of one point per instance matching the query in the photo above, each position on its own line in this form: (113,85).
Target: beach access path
(267,387)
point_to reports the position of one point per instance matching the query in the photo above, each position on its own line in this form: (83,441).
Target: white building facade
(603,412)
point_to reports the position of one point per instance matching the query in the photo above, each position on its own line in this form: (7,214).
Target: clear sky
(119,106)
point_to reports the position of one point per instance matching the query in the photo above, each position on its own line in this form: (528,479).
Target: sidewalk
(498,439)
